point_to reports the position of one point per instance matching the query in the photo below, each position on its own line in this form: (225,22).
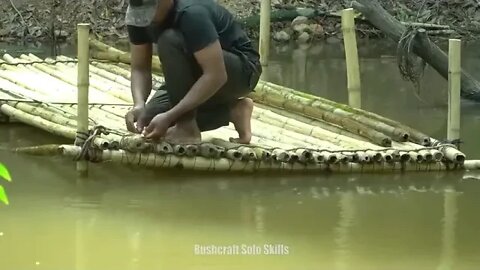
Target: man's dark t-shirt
(201,22)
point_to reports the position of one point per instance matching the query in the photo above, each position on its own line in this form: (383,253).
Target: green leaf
(3,196)
(4,173)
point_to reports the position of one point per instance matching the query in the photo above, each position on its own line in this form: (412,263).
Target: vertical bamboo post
(454,80)
(83,30)
(264,42)
(351,56)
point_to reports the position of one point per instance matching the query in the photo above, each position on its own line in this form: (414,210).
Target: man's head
(142,13)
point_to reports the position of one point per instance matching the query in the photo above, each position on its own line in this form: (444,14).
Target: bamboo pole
(454,85)
(415,135)
(334,129)
(293,124)
(351,56)
(223,164)
(281,97)
(83,85)
(274,99)
(264,42)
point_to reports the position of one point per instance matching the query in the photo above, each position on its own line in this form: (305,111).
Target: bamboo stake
(454,85)
(83,85)
(264,42)
(351,56)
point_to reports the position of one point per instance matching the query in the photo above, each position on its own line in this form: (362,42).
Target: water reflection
(342,231)
(449,221)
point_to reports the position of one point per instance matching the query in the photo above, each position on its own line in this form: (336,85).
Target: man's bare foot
(241,116)
(184,133)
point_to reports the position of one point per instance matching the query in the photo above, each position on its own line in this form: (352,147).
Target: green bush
(4,174)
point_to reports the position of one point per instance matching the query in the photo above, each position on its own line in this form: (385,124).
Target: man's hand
(136,114)
(158,126)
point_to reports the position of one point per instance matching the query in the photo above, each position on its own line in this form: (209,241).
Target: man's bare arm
(214,76)
(141,73)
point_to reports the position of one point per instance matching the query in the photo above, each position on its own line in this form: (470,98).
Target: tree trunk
(423,47)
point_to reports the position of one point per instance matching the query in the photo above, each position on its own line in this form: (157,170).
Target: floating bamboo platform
(292,131)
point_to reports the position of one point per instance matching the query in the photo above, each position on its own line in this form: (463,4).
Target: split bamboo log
(65,88)
(102,86)
(12,88)
(17,74)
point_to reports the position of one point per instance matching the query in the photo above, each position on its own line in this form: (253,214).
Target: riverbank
(55,20)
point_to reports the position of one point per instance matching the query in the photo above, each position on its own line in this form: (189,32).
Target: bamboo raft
(292,131)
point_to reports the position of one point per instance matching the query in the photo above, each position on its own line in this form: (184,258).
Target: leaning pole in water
(82,86)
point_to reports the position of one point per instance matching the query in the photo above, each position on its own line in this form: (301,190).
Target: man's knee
(170,38)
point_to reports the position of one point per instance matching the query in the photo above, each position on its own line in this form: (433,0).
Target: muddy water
(129,218)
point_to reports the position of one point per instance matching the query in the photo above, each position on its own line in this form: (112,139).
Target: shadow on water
(132,218)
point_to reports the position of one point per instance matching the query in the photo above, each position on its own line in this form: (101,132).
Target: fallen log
(422,45)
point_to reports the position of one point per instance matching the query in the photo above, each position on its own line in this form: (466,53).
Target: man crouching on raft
(209,66)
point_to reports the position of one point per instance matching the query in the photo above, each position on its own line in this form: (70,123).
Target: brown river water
(132,218)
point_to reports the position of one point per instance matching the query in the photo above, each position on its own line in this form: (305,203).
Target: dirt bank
(56,19)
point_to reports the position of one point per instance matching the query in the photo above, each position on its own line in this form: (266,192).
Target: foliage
(4,174)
